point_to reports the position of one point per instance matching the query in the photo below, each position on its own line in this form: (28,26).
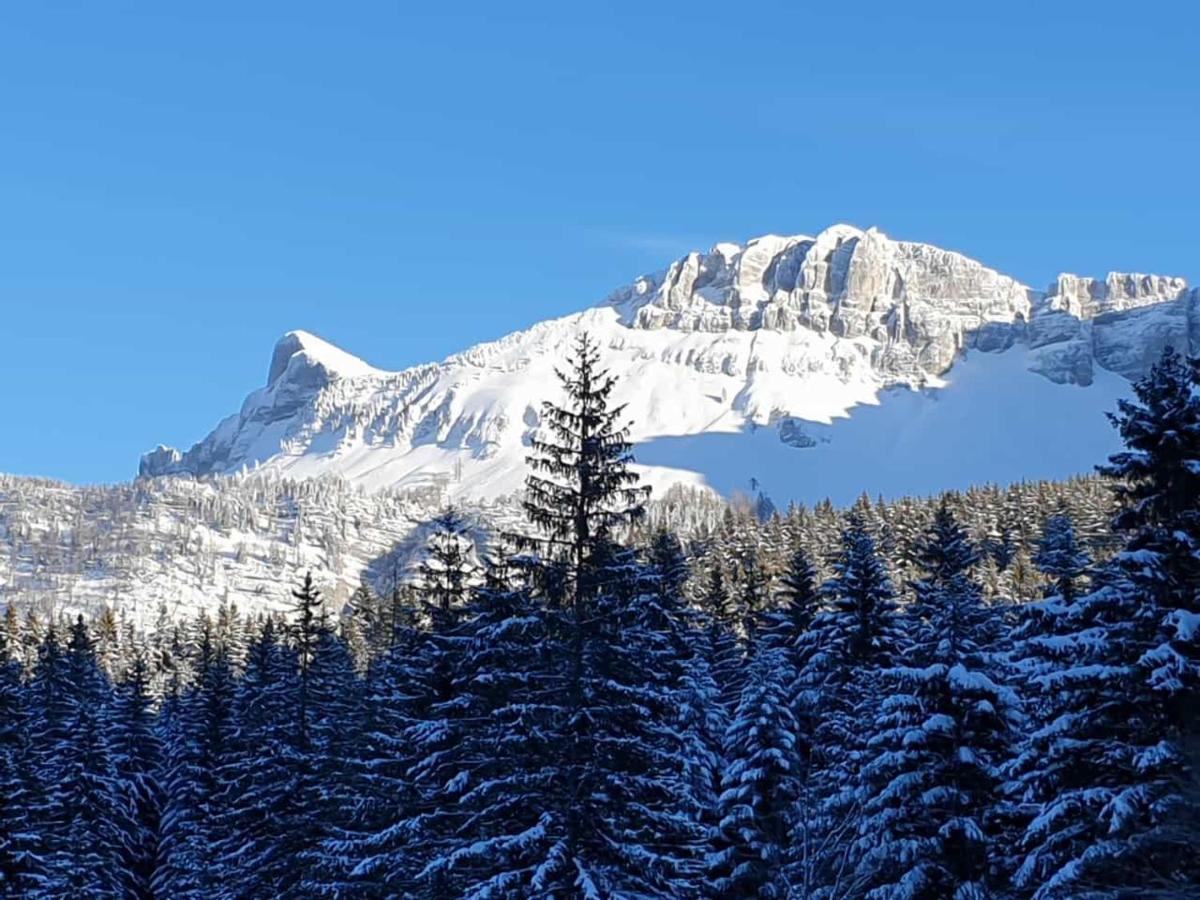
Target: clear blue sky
(182,183)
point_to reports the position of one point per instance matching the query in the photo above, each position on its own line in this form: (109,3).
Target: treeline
(933,703)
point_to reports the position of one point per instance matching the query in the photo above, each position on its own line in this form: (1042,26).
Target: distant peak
(309,351)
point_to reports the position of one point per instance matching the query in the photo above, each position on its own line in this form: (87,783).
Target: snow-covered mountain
(803,367)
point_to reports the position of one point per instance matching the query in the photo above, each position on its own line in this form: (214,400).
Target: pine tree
(1115,671)
(944,731)
(448,570)
(670,564)
(613,822)
(181,863)
(199,742)
(701,718)
(305,635)
(490,831)
(580,488)
(22,872)
(136,755)
(759,788)
(850,641)
(51,712)
(375,852)
(1061,559)
(335,735)
(718,643)
(752,599)
(259,804)
(81,789)
(799,601)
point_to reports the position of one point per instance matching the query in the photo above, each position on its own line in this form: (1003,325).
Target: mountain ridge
(797,334)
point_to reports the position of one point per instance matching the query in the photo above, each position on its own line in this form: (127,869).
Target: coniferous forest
(985,695)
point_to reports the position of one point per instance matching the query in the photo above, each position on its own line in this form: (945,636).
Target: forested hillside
(987,694)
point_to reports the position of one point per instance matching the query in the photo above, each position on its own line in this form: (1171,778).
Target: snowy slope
(171,547)
(803,366)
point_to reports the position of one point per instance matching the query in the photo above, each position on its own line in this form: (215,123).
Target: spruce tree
(136,755)
(81,786)
(1061,559)
(375,852)
(259,806)
(718,643)
(799,601)
(1105,774)
(758,789)
(447,570)
(490,832)
(838,690)
(336,732)
(22,872)
(945,727)
(613,817)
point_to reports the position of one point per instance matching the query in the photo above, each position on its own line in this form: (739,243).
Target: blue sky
(182,183)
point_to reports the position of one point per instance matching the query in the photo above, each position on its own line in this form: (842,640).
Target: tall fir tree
(137,761)
(489,837)
(717,640)
(22,871)
(81,786)
(614,822)
(759,789)
(945,729)
(259,806)
(336,731)
(838,690)
(376,852)
(1105,774)
(1061,559)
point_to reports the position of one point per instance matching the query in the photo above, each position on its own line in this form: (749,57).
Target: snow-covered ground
(991,420)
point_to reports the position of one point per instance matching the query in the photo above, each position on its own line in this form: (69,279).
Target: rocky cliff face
(799,334)
(918,304)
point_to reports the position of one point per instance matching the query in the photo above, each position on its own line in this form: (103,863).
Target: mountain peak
(302,351)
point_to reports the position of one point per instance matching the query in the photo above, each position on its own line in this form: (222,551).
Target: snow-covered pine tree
(837,691)
(447,569)
(669,562)
(1061,558)
(717,642)
(1105,774)
(197,741)
(376,853)
(759,787)
(445,576)
(752,596)
(489,832)
(22,872)
(614,821)
(305,635)
(1158,487)
(335,736)
(798,602)
(137,760)
(944,731)
(701,718)
(180,867)
(580,488)
(703,723)
(259,805)
(82,797)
